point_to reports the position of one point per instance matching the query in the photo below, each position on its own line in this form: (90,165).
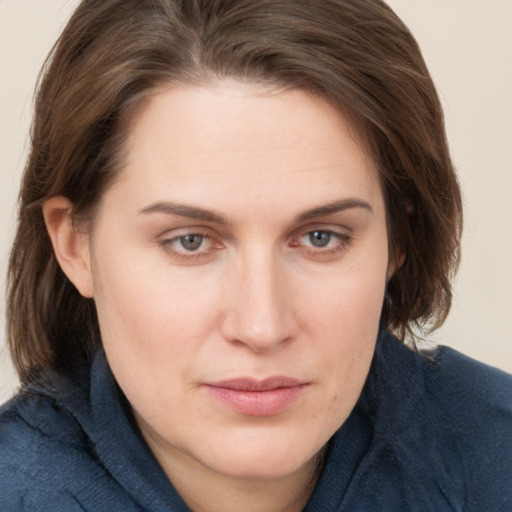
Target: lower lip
(257,403)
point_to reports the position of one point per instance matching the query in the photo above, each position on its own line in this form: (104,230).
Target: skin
(253,294)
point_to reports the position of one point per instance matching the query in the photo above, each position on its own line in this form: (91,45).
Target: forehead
(228,110)
(244,138)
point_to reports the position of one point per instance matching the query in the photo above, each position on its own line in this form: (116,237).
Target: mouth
(252,397)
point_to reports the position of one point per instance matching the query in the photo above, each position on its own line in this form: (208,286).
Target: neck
(204,490)
(211,494)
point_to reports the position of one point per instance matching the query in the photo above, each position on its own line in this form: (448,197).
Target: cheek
(342,323)
(347,305)
(153,312)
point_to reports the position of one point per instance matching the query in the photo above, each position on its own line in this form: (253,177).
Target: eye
(190,242)
(190,245)
(319,238)
(322,243)
(324,239)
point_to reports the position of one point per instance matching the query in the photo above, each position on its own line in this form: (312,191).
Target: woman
(228,209)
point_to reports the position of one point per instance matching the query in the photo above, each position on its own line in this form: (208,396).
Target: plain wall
(468,47)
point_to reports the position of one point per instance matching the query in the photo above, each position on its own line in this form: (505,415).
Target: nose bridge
(260,315)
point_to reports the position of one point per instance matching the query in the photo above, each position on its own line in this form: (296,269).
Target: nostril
(260,302)
(260,330)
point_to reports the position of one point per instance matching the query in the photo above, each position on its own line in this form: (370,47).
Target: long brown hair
(113,53)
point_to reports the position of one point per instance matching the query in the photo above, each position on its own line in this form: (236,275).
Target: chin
(266,459)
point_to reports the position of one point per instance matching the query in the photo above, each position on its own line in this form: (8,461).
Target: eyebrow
(335,207)
(183,210)
(194,212)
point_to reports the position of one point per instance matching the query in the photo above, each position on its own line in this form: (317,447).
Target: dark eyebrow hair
(183,210)
(335,207)
(194,212)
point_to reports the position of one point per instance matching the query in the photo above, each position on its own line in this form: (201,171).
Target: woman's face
(238,266)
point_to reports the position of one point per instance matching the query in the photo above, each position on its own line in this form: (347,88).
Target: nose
(260,309)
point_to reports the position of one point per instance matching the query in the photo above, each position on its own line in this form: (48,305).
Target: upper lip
(251,384)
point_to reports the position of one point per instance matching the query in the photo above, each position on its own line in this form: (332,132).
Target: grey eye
(191,242)
(320,238)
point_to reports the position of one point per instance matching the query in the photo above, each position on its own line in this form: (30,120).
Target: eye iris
(319,238)
(191,242)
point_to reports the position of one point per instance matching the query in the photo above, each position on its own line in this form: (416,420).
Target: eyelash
(169,243)
(342,242)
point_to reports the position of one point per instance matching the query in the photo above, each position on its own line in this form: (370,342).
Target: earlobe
(70,246)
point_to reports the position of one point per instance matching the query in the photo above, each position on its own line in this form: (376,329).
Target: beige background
(468,46)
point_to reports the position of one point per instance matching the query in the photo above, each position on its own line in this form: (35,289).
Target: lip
(253,397)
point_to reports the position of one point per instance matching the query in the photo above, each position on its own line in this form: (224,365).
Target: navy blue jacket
(428,434)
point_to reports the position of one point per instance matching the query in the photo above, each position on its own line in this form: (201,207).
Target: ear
(394,265)
(70,246)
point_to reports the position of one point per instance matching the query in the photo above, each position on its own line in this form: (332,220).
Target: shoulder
(47,461)
(454,423)
(475,400)
(33,430)
(475,404)
(41,448)
(469,388)
(490,386)
(446,380)
(32,415)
